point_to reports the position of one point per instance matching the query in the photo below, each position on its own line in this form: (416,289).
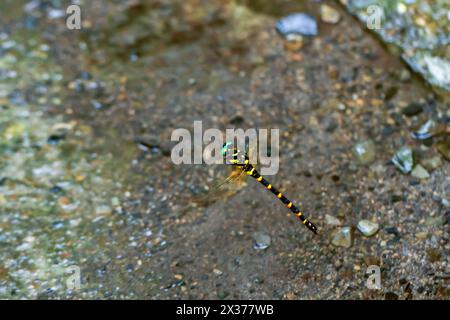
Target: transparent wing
(218,191)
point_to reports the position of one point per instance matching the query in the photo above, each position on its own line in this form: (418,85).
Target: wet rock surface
(86,177)
(419,28)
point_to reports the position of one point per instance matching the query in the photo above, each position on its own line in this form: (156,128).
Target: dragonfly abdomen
(251,171)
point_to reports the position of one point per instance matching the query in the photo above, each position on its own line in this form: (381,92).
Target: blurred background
(86,178)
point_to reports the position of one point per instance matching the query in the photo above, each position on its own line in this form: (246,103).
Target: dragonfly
(240,161)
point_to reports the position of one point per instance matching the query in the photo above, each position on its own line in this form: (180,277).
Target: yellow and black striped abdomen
(250,170)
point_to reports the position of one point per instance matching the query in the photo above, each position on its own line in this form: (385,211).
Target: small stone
(405,75)
(178,276)
(222,294)
(14,131)
(420,172)
(396,197)
(422,235)
(390,296)
(432,163)
(329,14)
(403,159)
(390,93)
(343,238)
(436,221)
(412,109)
(237,120)
(259,280)
(217,272)
(335,104)
(294,42)
(102,210)
(332,221)
(364,152)
(371,261)
(433,255)
(297,23)
(56,189)
(261,241)
(393,230)
(367,227)
(444,148)
(115,202)
(63,201)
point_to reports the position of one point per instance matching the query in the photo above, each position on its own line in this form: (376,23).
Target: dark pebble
(388,130)
(408,287)
(390,296)
(397,119)
(414,181)
(56,189)
(222,294)
(55,139)
(402,281)
(392,230)
(397,198)
(166,149)
(390,93)
(259,280)
(237,120)
(412,109)
(85,75)
(332,126)
(393,241)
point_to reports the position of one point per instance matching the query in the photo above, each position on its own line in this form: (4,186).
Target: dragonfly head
(226,147)
(232,155)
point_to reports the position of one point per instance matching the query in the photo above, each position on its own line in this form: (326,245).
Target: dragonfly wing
(211,196)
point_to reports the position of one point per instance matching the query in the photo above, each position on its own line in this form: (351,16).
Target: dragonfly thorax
(234,156)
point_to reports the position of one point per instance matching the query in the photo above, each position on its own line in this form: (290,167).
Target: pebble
(420,172)
(343,238)
(261,241)
(390,296)
(432,163)
(364,152)
(102,210)
(403,159)
(444,148)
(332,221)
(422,235)
(217,272)
(297,23)
(294,42)
(412,109)
(426,131)
(436,221)
(367,227)
(405,75)
(329,14)
(392,230)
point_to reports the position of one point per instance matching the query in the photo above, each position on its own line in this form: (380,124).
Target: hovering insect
(240,161)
